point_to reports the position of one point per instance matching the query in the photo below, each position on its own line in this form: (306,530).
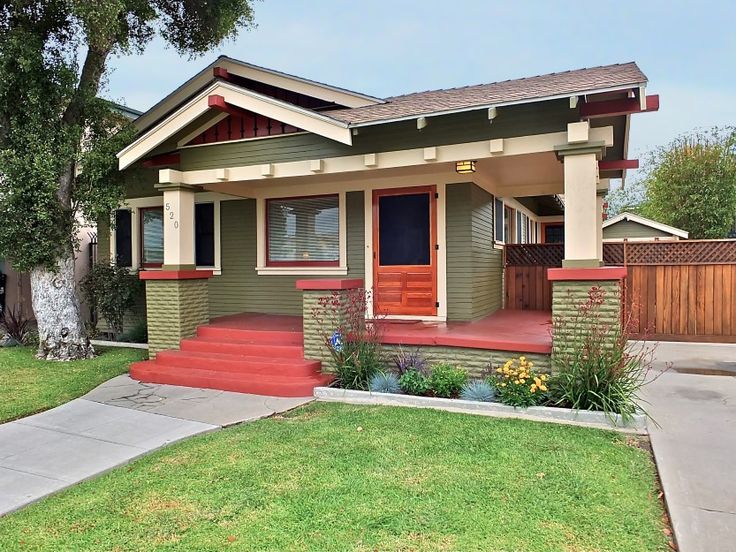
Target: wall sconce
(465,167)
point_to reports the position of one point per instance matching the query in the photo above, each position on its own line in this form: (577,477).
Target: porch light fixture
(465,167)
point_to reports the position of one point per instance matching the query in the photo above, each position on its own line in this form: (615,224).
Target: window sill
(302,270)
(216,271)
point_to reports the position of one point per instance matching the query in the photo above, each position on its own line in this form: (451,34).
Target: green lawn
(331,477)
(29,385)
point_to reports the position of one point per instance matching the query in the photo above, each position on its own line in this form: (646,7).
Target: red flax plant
(353,342)
(598,369)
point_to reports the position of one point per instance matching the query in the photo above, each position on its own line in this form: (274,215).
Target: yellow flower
(499,370)
(544,377)
(531,364)
(503,384)
(522,381)
(516,382)
(543,387)
(537,381)
(533,388)
(522,359)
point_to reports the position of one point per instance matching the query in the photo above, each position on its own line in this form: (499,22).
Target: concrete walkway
(114,424)
(695,451)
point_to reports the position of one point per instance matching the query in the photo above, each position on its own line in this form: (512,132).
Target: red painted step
(280,386)
(276,337)
(213,345)
(264,362)
(239,363)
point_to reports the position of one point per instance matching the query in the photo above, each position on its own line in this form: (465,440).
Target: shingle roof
(518,90)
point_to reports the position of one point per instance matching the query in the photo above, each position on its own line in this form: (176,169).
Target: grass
(29,385)
(333,477)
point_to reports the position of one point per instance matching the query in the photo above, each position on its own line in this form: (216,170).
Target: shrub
(112,291)
(138,333)
(385,382)
(601,371)
(15,325)
(447,380)
(409,360)
(353,342)
(413,382)
(478,390)
(517,384)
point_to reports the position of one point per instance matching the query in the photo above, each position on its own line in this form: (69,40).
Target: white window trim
(134,206)
(262,269)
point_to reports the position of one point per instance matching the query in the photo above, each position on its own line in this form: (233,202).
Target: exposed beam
(215,101)
(611,108)
(162,160)
(221,73)
(619,165)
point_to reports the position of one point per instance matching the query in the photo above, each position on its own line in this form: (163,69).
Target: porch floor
(504,330)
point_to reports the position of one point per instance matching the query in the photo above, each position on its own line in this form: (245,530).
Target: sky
(384,48)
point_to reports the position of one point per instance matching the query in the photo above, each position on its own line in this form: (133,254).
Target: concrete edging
(537,413)
(120,344)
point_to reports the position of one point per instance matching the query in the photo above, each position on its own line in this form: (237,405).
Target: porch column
(582,220)
(600,196)
(177,299)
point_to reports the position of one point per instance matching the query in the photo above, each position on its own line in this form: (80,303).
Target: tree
(691,183)
(58,139)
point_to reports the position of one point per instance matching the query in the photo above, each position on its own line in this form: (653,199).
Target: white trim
(261,266)
(200,129)
(247,99)
(368,239)
(441,223)
(135,204)
(492,105)
(251,139)
(646,222)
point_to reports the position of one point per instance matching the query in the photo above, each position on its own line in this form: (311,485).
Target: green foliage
(478,390)
(112,291)
(601,371)
(691,183)
(446,380)
(51,122)
(138,333)
(360,361)
(518,384)
(414,382)
(14,324)
(385,382)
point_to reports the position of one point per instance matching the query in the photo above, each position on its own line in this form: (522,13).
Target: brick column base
(571,289)
(176,303)
(312,291)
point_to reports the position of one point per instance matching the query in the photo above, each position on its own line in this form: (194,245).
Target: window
(123,238)
(508,216)
(519,227)
(152,236)
(498,216)
(303,231)
(554,233)
(204,234)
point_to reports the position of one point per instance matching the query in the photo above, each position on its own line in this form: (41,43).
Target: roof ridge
(542,75)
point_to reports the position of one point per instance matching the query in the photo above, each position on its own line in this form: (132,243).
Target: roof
(646,222)
(124,110)
(594,79)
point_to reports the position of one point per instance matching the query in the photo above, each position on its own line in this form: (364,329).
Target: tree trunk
(61,333)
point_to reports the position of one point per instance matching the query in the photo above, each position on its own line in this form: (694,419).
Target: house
(629,226)
(252,192)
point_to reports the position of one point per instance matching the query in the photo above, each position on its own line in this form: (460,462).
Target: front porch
(265,353)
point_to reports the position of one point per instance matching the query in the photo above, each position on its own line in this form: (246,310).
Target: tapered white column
(178,226)
(599,200)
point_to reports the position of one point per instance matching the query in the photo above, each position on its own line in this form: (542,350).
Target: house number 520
(172,215)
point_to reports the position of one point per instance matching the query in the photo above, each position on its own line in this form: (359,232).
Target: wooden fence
(679,291)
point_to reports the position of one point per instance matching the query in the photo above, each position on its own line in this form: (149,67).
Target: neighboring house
(260,189)
(17,290)
(631,227)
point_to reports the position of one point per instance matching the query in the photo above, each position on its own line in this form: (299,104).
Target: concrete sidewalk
(114,424)
(695,451)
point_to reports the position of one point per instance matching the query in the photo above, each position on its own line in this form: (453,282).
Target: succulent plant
(478,390)
(406,361)
(384,382)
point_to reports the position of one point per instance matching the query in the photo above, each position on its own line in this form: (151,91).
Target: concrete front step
(257,349)
(275,337)
(256,365)
(241,382)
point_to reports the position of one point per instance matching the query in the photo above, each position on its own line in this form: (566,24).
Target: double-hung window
(152,236)
(303,231)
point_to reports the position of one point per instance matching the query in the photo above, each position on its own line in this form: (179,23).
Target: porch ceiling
(524,175)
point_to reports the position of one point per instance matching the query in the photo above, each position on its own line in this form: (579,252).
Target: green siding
(459,128)
(631,229)
(241,289)
(474,266)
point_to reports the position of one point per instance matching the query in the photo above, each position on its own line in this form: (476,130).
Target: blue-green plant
(446,380)
(478,390)
(413,382)
(384,382)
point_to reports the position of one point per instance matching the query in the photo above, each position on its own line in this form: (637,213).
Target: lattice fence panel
(680,252)
(539,254)
(613,254)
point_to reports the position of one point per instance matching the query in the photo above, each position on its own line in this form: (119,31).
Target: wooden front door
(405,251)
